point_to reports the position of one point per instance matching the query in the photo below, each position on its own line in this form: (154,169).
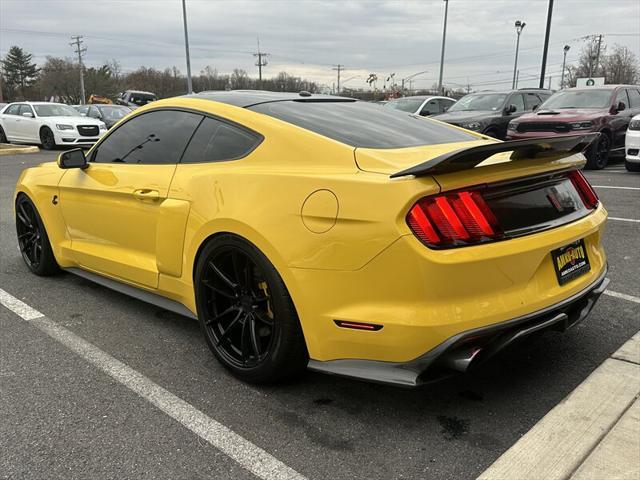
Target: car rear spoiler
(467,158)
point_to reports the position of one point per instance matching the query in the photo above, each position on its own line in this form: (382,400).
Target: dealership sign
(590,82)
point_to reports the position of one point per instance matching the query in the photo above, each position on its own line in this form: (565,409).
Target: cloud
(307,37)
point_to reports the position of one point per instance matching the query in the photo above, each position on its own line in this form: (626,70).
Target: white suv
(632,145)
(48,124)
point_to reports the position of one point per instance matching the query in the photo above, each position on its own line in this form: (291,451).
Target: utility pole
(564,62)
(517,79)
(80,51)
(186,47)
(519,27)
(546,44)
(549,84)
(338,68)
(444,38)
(261,62)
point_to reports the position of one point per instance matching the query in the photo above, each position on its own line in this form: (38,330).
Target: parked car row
(536,113)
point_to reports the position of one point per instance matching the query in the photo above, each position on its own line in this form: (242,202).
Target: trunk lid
(491,191)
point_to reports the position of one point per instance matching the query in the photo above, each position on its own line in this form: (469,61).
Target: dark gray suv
(490,112)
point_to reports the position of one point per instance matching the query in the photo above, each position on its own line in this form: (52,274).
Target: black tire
(246,314)
(598,153)
(47,139)
(632,167)
(33,240)
(3,137)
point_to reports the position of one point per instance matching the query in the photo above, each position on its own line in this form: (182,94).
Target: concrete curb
(593,421)
(8,149)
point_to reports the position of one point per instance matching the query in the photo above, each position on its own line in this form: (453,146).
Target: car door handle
(146,194)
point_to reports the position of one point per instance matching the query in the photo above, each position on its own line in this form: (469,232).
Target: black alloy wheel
(598,155)
(47,139)
(246,313)
(33,240)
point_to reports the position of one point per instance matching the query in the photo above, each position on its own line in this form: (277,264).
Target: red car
(606,109)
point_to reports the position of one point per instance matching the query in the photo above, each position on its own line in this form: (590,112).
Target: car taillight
(456,219)
(588,195)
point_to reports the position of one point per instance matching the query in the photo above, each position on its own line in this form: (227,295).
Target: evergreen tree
(19,71)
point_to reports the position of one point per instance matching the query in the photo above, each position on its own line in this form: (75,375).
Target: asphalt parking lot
(60,417)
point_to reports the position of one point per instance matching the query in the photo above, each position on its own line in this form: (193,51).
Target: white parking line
(619,188)
(245,453)
(633,220)
(623,296)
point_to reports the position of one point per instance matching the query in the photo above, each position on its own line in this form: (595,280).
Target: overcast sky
(305,37)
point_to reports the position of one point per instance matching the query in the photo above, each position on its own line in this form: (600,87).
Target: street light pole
(564,62)
(186,47)
(444,37)
(546,44)
(519,27)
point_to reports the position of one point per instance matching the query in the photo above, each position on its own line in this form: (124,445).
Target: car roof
(602,87)
(422,97)
(40,103)
(248,98)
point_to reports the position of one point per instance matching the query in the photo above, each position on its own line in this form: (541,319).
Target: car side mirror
(510,109)
(27,114)
(621,106)
(73,159)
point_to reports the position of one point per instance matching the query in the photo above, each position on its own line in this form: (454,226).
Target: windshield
(142,98)
(114,113)
(479,101)
(410,105)
(578,99)
(56,110)
(362,124)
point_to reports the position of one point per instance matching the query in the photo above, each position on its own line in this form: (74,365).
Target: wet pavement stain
(453,427)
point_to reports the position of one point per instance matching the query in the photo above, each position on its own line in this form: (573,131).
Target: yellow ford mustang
(315,231)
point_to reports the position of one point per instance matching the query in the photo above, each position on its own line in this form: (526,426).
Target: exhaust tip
(460,359)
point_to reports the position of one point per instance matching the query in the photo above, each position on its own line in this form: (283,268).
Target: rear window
(362,124)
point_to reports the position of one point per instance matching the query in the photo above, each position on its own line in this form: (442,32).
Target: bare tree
(621,66)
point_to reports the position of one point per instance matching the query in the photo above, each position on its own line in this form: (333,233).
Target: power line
(80,51)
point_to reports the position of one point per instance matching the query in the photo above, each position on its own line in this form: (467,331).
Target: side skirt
(148,297)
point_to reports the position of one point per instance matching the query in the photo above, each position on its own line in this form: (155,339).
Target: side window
(518,101)
(445,104)
(432,107)
(622,97)
(156,137)
(531,100)
(83,109)
(13,110)
(634,98)
(93,112)
(25,109)
(216,141)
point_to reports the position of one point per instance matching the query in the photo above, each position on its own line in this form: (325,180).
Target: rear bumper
(468,349)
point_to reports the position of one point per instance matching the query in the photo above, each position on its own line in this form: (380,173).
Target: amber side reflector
(372,327)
